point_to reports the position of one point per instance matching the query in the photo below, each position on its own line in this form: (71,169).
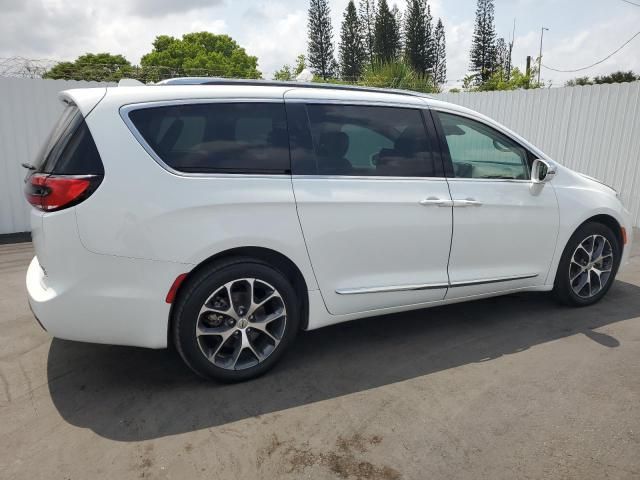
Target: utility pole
(528,71)
(513,39)
(540,57)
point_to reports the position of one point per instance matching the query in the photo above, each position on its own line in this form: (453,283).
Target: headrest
(334,144)
(411,140)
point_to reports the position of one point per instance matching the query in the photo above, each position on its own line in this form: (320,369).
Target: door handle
(438,202)
(467,202)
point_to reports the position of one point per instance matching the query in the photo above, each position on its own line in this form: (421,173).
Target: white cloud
(156,8)
(275,30)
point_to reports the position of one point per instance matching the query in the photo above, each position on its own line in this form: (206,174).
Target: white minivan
(225,216)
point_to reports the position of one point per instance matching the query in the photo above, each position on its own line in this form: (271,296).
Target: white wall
(594,129)
(28,110)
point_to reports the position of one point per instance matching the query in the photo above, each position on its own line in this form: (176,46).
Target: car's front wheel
(234,320)
(588,265)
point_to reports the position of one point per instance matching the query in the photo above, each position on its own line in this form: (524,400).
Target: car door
(504,226)
(373,203)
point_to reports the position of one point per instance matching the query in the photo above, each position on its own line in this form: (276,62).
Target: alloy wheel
(591,266)
(241,323)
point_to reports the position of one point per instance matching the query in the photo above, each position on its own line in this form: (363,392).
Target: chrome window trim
(507,180)
(124,111)
(432,286)
(299,176)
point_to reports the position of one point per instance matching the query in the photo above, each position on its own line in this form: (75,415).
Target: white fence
(28,110)
(595,130)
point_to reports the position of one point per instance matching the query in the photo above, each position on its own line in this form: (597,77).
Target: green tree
(367,13)
(430,48)
(352,53)
(440,55)
(284,73)
(499,81)
(415,36)
(483,46)
(320,45)
(502,57)
(301,64)
(200,53)
(386,45)
(99,67)
(617,77)
(579,81)
(397,74)
(399,17)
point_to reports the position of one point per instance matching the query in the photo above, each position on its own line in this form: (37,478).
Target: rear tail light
(55,192)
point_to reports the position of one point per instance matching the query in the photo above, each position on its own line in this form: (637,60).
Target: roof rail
(280,83)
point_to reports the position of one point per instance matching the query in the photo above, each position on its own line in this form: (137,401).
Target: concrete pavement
(511,387)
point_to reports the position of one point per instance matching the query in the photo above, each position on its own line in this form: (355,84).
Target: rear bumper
(119,301)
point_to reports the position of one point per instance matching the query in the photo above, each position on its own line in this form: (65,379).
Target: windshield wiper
(28,166)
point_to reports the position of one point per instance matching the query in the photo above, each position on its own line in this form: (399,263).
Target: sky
(581,32)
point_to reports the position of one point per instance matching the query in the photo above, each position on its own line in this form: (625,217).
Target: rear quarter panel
(143,211)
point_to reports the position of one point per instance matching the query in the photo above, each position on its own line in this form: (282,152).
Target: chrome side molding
(492,280)
(431,286)
(391,288)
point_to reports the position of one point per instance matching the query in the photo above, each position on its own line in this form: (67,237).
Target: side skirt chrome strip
(391,288)
(430,286)
(492,280)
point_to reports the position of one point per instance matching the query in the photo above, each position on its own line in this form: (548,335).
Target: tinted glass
(360,141)
(479,151)
(70,149)
(217,137)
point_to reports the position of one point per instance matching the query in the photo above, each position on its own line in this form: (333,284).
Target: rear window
(217,137)
(69,149)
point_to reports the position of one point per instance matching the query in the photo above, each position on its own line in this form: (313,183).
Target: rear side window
(217,137)
(356,140)
(70,149)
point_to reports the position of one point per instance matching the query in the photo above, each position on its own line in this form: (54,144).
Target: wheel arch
(606,218)
(608,221)
(272,257)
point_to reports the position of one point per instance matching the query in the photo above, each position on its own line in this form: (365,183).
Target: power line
(598,62)
(631,3)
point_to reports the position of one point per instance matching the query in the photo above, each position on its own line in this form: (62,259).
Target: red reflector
(171,296)
(47,192)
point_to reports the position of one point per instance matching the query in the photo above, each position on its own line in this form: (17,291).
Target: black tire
(199,288)
(563,289)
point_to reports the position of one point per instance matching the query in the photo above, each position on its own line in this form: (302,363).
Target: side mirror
(541,171)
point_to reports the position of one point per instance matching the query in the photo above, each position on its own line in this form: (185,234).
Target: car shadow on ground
(131,394)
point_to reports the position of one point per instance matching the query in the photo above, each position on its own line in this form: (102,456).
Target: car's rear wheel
(233,321)
(588,265)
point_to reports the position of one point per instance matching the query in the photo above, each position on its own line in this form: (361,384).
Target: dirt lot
(514,387)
